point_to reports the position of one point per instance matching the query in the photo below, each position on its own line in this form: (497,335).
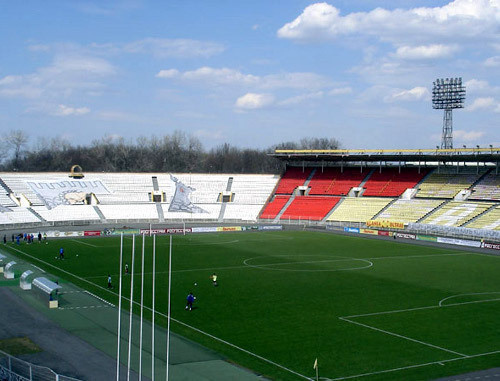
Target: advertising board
(351,230)
(386,224)
(271,227)
(491,245)
(405,235)
(368,231)
(460,242)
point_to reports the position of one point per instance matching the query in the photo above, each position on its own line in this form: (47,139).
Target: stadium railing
(12,368)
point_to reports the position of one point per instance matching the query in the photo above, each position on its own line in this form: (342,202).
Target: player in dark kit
(189,301)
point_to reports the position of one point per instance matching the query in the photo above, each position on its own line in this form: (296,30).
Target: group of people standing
(26,237)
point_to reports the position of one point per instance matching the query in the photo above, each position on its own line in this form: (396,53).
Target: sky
(251,73)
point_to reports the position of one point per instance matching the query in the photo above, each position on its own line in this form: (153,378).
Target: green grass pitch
(366,309)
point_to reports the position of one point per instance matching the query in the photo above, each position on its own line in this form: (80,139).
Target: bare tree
(16,140)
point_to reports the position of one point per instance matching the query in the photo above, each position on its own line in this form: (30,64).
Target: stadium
(371,264)
(250,191)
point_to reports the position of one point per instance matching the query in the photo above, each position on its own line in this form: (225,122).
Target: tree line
(178,152)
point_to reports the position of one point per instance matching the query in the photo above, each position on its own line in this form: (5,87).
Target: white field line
(471,294)
(199,244)
(177,321)
(420,308)
(273,264)
(82,307)
(99,298)
(402,337)
(84,243)
(38,268)
(420,256)
(256,266)
(411,366)
(263,266)
(70,292)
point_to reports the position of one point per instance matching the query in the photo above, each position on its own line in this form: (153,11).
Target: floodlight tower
(448,94)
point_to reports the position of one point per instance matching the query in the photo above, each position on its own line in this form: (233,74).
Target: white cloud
(340,91)
(66,75)
(476,85)
(482,104)
(492,61)
(156,47)
(466,19)
(164,47)
(63,110)
(301,98)
(168,73)
(223,76)
(415,94)
(467,136)
(226,76)
(424,52)
(253,101)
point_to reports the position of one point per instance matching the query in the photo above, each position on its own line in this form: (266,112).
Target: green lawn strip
(16,346)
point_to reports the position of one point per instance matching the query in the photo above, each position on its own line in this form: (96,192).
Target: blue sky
(249,73)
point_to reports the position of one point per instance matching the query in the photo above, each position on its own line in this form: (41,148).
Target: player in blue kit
(189,301)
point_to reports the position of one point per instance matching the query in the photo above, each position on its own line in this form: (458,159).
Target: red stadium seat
(309,208)
(292,178)
(391,183)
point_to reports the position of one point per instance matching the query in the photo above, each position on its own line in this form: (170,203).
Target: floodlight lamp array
(448,93)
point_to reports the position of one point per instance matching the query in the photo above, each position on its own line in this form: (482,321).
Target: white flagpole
(119,311)
(153,316)
(130,310)
(169,293)
(317,369)
(142,310)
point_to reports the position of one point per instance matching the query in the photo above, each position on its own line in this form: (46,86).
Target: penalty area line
(84,243)
(173,319)
(440,362)
(403,337)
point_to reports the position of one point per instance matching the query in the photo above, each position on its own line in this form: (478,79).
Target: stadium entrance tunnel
(307,263)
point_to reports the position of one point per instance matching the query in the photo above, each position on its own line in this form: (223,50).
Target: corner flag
(315,366)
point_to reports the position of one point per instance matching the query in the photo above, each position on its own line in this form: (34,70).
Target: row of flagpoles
(315,366)
(142,310)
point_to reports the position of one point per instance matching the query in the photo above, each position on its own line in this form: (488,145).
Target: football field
(365,309)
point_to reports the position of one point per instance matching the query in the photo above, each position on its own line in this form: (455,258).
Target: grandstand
(431,187)
(457,213)
(293,177)
(334,181)
(309,208)
(488,220)
(447,183)
(488,188)
(392,182)
(410,210)
(272,209)
(358,209)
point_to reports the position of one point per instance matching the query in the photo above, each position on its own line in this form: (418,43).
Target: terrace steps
(432,211)
(479,215)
